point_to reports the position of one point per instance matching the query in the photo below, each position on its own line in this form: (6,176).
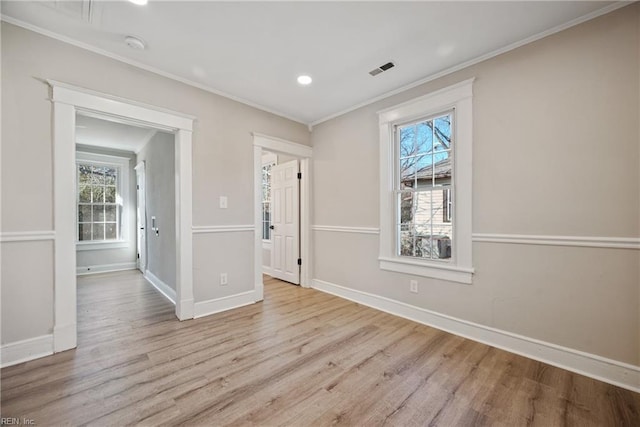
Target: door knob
(272,227)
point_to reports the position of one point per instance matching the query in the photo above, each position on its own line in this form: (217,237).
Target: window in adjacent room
(266,200)
(101,182)
(425,185)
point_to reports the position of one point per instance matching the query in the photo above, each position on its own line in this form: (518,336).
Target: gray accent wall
(556,152)
(160,178)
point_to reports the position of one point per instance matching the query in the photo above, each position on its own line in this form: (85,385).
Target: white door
(285,222)
(141,218)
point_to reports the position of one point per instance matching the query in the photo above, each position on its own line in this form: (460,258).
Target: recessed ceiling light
(139,2)
(135,43)
(304,80)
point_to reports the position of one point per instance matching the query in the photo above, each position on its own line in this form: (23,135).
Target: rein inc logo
(15,421)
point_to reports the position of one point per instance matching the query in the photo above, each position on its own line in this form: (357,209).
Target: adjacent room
(319,213)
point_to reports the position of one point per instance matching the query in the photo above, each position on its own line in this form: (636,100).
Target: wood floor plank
(300,357)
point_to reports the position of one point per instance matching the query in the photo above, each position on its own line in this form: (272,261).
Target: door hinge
(299,261)
(299,175)
(137,187)
(138,256)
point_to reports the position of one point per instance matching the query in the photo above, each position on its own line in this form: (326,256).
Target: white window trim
(123,189)
(458,97)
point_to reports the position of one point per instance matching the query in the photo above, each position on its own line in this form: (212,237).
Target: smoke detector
(135,43)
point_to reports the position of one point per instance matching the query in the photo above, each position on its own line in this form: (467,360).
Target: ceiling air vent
(381,68)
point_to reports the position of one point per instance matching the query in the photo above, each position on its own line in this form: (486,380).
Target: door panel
(285,190)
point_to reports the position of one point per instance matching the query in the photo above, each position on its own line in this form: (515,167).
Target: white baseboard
(162,287)
(23,351)
(105,268)
(600,368)
(212,306)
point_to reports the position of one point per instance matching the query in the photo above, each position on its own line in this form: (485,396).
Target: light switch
(223,202)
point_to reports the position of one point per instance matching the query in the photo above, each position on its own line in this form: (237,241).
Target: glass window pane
(442,133)
(110,175)
(84,194)
(110,213)
(442,168)
(98,194)
(98,231)
(441,242)
(98,213)
(111,231)
(407,141)
(407,243)
(98,175)
(424,133)
(84,232)
(110,194)
(84,174)
(84,213)
(407,211)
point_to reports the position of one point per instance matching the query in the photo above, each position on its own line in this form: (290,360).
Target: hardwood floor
(299,358)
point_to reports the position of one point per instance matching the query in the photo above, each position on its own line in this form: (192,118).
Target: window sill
(424,269)
(96,246)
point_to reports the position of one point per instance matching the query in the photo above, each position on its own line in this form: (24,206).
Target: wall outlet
(223,202)
(223,279)
(413,286)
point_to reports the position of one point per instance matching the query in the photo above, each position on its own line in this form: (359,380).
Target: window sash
(90,227)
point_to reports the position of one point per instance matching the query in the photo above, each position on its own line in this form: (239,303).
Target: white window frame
(460,268)
(122,164)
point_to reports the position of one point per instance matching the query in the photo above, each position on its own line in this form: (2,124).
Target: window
(101,183)
(423,177)
(425,185)
(266,200)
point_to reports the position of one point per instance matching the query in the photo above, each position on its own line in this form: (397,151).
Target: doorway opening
(68,101)
(286,219)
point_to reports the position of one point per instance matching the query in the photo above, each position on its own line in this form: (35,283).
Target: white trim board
(204,229)
(26,350)
(217,305)
(342,229)
(26,236)
(600,368)
(167,291)
(105,268)
(576,241)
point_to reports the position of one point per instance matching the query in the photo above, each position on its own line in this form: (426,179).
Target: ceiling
(110,134)
(253,51)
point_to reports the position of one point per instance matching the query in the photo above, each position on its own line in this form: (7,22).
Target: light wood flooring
(299,358)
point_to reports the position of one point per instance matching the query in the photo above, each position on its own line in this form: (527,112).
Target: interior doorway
(300,250)
(67,101)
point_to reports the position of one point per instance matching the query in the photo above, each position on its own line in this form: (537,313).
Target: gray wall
(160,180)
(222,165)
(556,153)
(98,257)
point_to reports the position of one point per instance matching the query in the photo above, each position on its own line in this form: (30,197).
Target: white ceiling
(109,134)
(253,51)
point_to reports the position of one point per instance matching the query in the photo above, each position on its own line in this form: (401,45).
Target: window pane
(98,231)
(407,141)
(441,242)
(414,170)
(98,175)
(442,133)
(84,232)
(84,195)
(110,194)
(98,194)
(407,243)
(424,134)
(110,176)
(84,213)
(407,212)
(98,213)
(110,213)
(84,174)
(111,231)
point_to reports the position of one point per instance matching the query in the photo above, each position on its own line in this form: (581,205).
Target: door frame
(67,100)
(305,154)
(141,215)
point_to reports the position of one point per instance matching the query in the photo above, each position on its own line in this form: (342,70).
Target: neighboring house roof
(441,169)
